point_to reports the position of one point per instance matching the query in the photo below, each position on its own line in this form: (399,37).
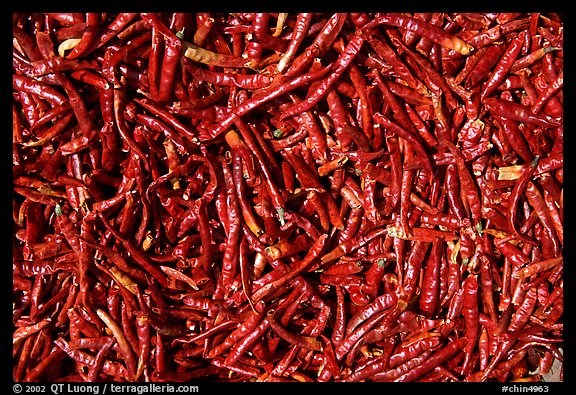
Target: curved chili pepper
(307,342)
(194,211)
(380,303)
(353,337)
(504,65)
(554,87)
(423,28)
(29,85)
(273,91)
(302,24)
(470,312)
(314,252)
(110,368)
(352,48)
(519,186)
(437,358)
(518,112)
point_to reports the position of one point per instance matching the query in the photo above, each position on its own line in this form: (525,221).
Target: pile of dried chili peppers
(287,197)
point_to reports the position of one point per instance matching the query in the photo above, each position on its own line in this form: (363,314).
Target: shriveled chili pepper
(434,360)
(287,196)
(504,65)
(423,29)
(347,56)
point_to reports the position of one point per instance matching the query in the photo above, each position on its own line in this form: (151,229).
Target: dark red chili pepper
(424,29)
(429,296)
(406,135)
(272,92)
(352,48)
(504,65)
(25,84)
(470,312)
(111,368)
(261,196)
(304,264)
(518,112)
(436,359)
(302,24)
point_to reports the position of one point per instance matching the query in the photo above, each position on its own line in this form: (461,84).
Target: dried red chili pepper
(287,197)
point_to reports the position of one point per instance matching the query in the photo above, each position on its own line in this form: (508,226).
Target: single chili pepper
(99,360)
(468,186)
(352,338)
(172,50)
(110,368)
(504,65)
(304,264)
(43,367)
(154,62)
(423,28)
(555,214)
(340,268)
(243,81)
(307,342)
(535,199)
(519,186)
(272,92)
(486,62)
(547,94)
(374,276)
(26,84)
(406,135)
(470,312)
(382,302)
(230,258)
(430,288)
(202,55)
(240,347)
(405,192)
(518,112)
(529,59)
(537,267)
(352,48)
(301,26)
(254,47)
(437,358)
